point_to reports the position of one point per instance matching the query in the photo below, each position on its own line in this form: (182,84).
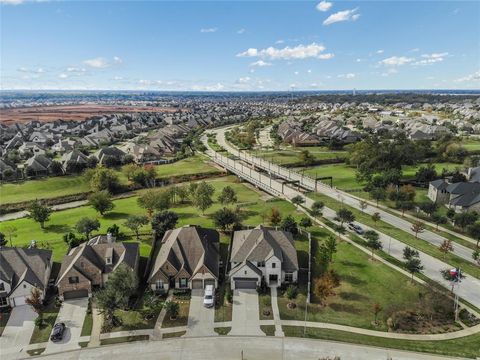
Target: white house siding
(244,272)
(22,292)
(294,276)
(269,270)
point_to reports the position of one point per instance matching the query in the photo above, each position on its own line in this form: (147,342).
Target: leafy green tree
(291,293)
(86,226)
(103,179)
(412,261)
(345,216)
(463,220)
(182,192)
(317,208)
(3,240)
(39,213)
(164,221)
(152,200)
(373,241)
(404,206)
(446,247)
(330,247)
(120,286)
(225,219)
(298,200)
(289,224)
(438,219)
(227,196)
(428,207)
(474,231)
(363,205)
(305,222)
(56,168)
(71,240)
(135,222)
(101,201)
(203,196)
(378,194)
(306,158)
(376,217)
(476,255)
(172,308)
(36,303)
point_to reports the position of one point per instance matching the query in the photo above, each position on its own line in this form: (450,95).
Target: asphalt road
(237,348)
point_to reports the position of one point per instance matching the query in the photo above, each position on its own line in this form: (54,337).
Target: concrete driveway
(18,331)
(200,319)
(245,316)
(72,314)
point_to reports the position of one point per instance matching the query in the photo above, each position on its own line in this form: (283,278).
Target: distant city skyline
(239,46)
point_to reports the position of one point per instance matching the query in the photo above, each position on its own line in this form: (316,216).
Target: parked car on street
(358,229)
(57,332)
(209,297)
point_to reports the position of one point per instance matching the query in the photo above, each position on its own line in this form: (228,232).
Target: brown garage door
(210,282)
(197,284)
(75,294)
(249,283)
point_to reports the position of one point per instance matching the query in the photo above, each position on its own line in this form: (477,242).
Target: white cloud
(431,58)
(475,77)
(345,15)
(240,31)
(243,80)
(31,71)
(260,63)
(117,60)
(117,78)
(346,76)
(312,50)
(76,69)
(296,72)
(63,76)
(208,30)
(98,63)
(380,51)
(279,41)
(309,71)
(396,61)
(324,6)
(389,72)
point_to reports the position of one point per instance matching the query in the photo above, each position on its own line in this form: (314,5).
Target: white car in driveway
(209,297)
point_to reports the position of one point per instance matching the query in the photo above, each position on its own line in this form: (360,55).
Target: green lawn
(291,155)
(265,304)
(61,222)
(176,334)
(88,322)
(269,330)
(182,318)
(42,334)
(123,339)
(464,347)
(223,311)
(68,185)
(471,144)
(363,283)
(222,330)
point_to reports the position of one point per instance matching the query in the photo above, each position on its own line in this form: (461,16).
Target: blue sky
(249,45)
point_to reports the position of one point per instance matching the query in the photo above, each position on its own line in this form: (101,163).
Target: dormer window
(108,261)
(2,287)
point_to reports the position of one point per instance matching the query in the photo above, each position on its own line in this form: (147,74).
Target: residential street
(72,313)
(16,335)
(245,316)
(232,348)
(200,319)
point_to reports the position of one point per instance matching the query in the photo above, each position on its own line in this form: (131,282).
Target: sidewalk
(276,312)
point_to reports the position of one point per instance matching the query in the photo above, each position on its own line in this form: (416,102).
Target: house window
(108,261)
(73,280)
(261,264)
(3,301)
(183,282)
(24,286)
(159,285)
(274,265)
(288,277)
(2,287)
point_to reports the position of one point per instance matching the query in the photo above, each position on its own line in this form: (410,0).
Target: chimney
(109,238)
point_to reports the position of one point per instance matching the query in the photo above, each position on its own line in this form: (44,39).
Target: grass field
(471,144)
(68,185)
(42,334)
(363,283)
(291,155)
(463,347)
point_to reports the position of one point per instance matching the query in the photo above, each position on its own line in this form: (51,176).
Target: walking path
(470,286)
(276,312)
(307,182)
(157,330)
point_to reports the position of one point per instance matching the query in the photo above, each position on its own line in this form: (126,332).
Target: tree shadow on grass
(58,228)
(353,280)
(352,264)
(346,295)
(115,215)
(345,308)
